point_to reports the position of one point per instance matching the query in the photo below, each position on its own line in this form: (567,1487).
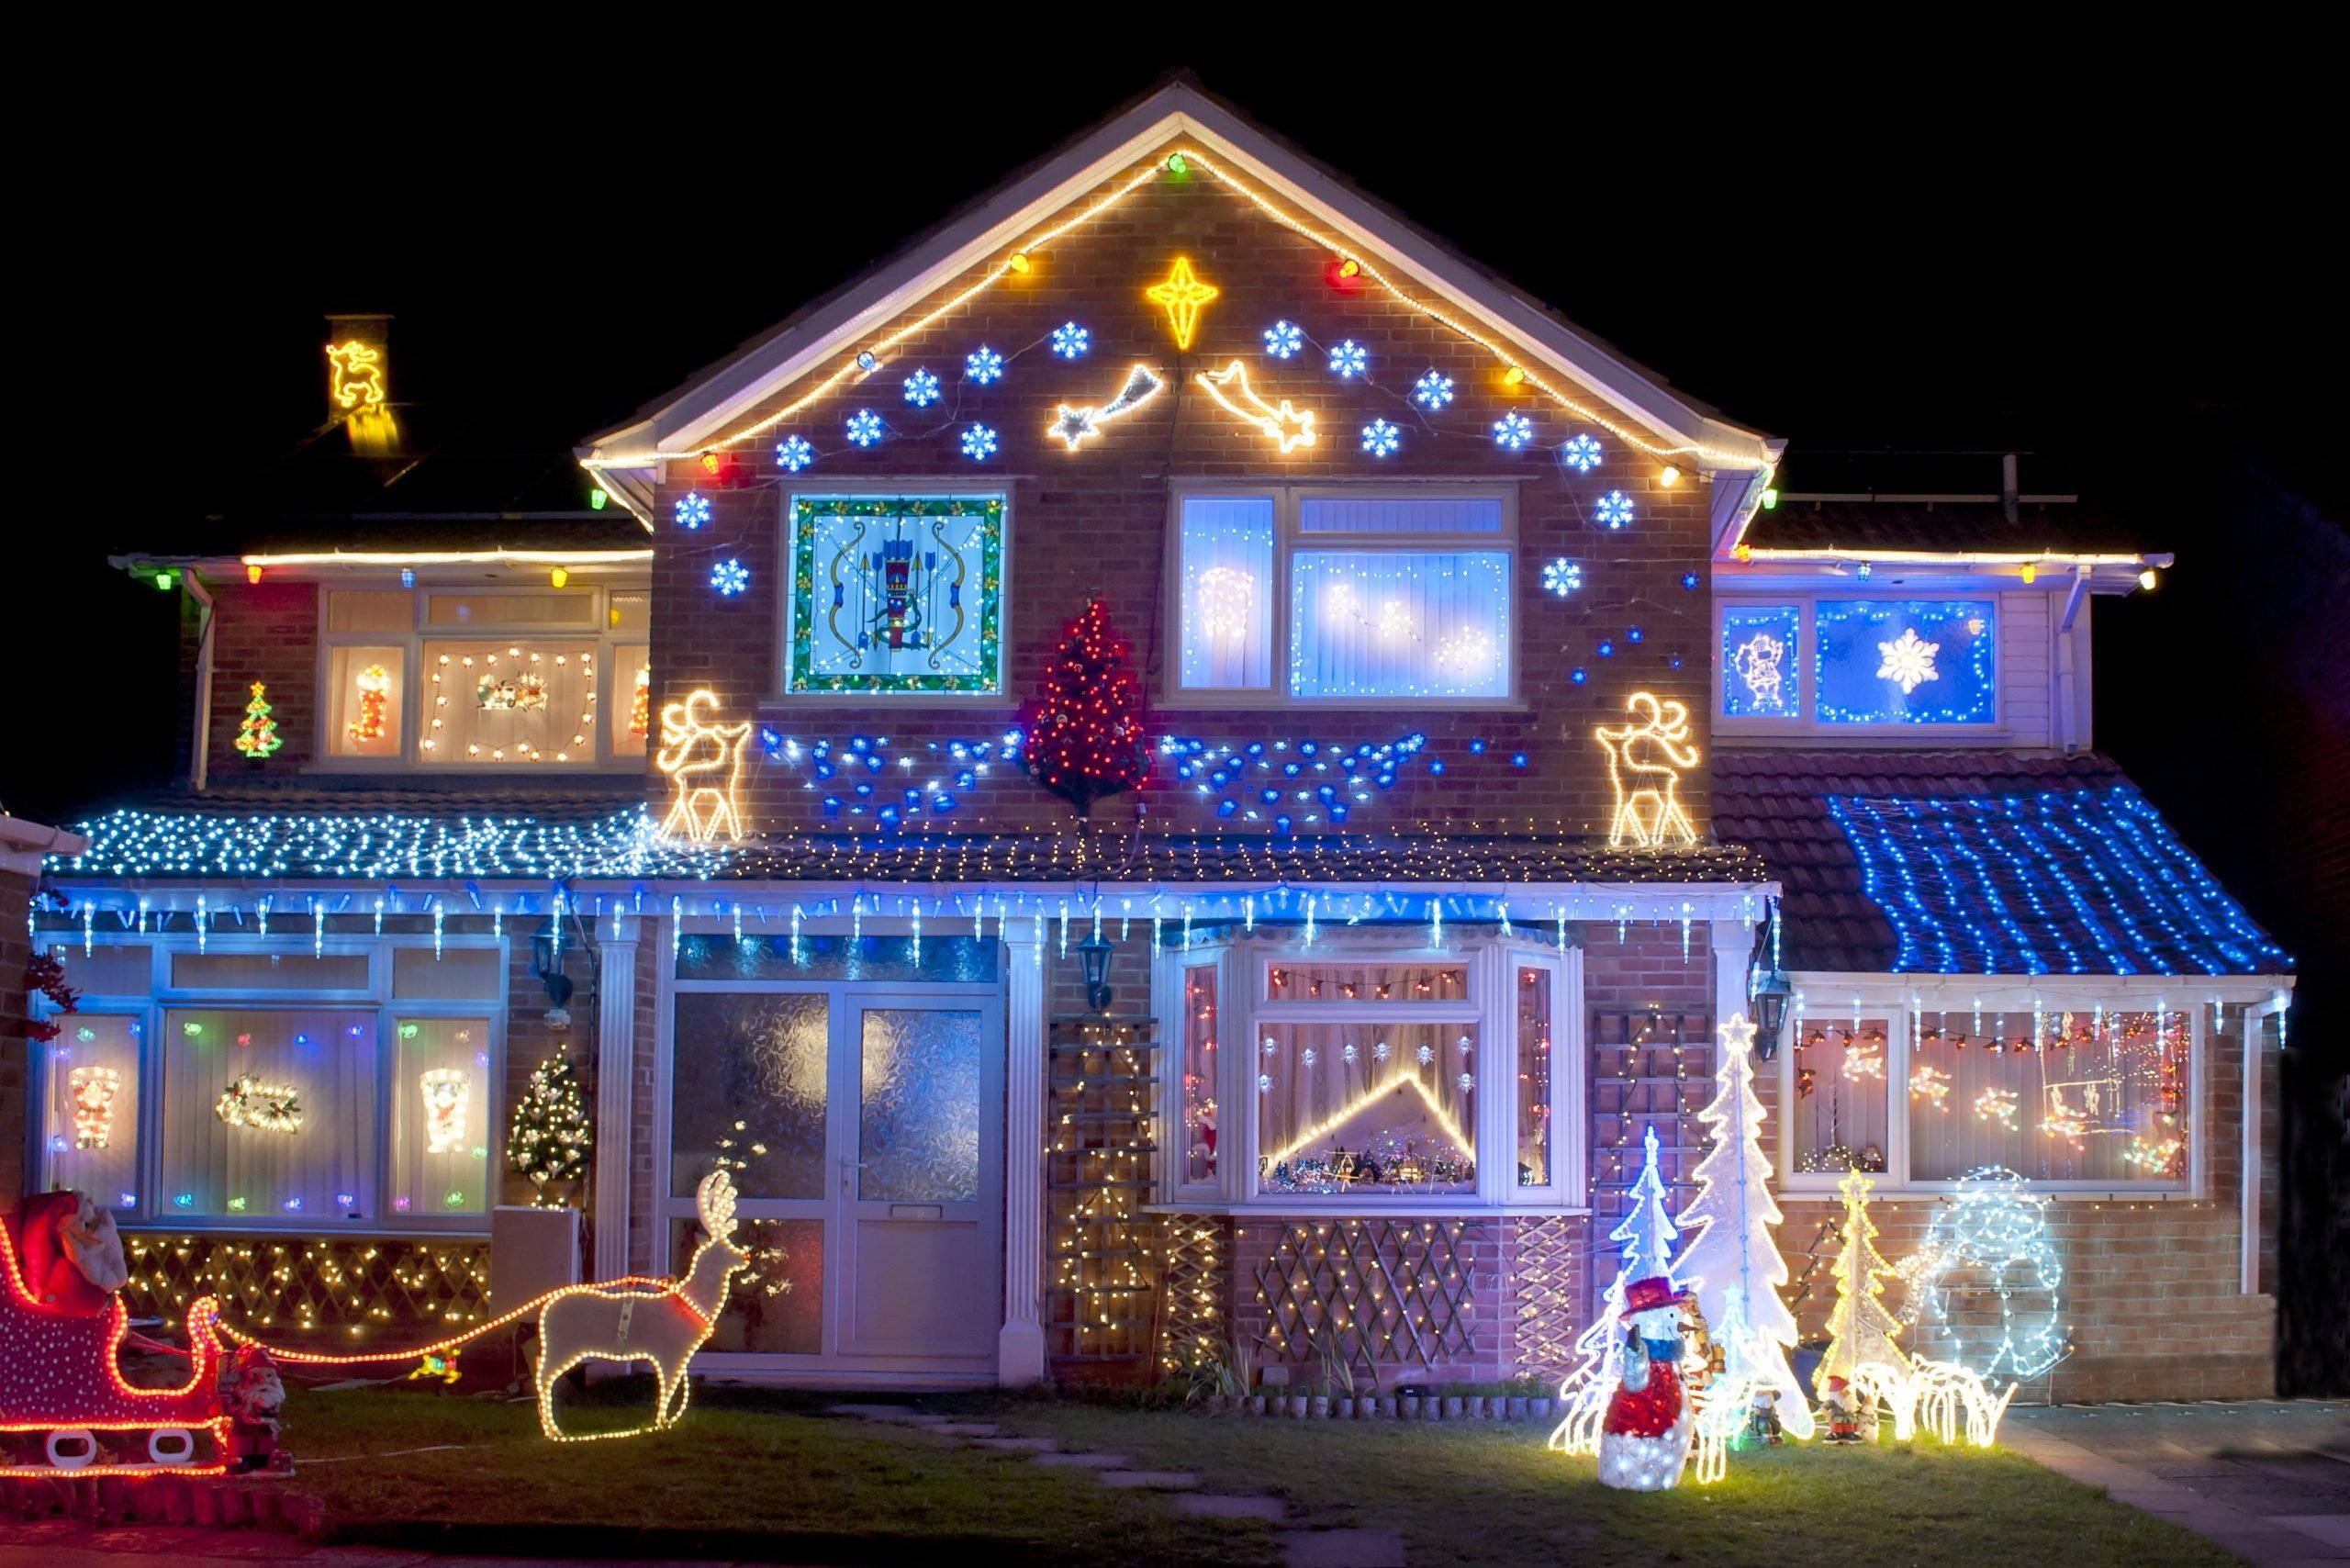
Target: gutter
(25,845)
(200,762)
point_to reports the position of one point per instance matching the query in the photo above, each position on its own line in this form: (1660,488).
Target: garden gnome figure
(1842,1410)
(1644,1437)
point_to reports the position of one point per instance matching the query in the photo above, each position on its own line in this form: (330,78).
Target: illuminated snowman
(1644,1437)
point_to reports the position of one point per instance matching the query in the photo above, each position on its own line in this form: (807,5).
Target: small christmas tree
(1647,1234)
(1860,1331)
(551,1136)
(1085,734)
(257,736)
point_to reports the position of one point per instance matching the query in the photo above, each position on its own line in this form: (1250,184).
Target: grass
(755,1474)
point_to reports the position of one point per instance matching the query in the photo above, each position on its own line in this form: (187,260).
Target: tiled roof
(1979,862)
(1861,526)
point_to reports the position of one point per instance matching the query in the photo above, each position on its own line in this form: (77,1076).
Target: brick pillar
(22,845)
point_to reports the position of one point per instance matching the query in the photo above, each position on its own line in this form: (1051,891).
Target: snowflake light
(1561,577)
(1467,1081)
(1432,390)
(1381,439)
(1581,452)
(1616,508)
(1283,339)
(1347,1053)
(794,453)
(691,511)
(1264,1082)
(922,389)
(978,443)
(1910,661)
(1513,431)
(1307,1055)
(983,364)
(1071,340)
(1271,1047)
(730,577)
(865,427)
(1426,1055)
(1379,1051)
(1349,359)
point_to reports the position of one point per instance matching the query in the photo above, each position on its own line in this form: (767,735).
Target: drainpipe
(2068,725)
(2009,489)
(200,765)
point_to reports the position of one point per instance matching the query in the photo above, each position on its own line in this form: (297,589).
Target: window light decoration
(1645,761)
(1761,669)
(1184,296)
(703,762)
(691,510)
(1381,438)
(1071,341)
(896,594)
(1581,452)
(864,427)
(1395,624)
(1513,431)
(1284,339)
(1909,661)
(1561,577)
(1349,360)
(93,1091)
(730,577)
(1287,426)
(1905,661)
(448,1095)
(374,684)
(1616,509)
(794,454)
(984,365)
(922,389)
(1433,390)
(1072,425)
(978,443)
(249,1102)
(257,736)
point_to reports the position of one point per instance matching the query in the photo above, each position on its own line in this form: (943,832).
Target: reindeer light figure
(1649,815)
(704,763)
(661,1325)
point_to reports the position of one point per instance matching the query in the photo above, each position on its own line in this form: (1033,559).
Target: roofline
(679,423)
(2160,558)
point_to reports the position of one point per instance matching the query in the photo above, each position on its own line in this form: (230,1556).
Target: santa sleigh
(65,1407)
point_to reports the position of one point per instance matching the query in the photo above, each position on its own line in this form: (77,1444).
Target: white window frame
(1829,997)
(1802,720)
(609,742)
(153,1209)
(1288,539)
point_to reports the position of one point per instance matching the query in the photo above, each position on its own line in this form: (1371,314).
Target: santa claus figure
(1644,1437)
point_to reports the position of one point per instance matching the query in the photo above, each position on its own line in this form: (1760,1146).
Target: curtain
(1228,562)
(441,1109)
(1401,624)
(2103,1099)
(312,1067)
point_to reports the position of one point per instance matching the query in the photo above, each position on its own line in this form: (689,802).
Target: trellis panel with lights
(1107,1260)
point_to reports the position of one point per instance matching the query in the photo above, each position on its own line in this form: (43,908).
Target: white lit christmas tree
(1730,1220)
(1860,1345)
(551,1134)
(1647,1234)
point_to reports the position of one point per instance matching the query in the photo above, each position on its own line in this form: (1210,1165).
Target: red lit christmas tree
(1085,733)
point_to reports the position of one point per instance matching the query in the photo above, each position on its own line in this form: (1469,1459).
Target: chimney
(2008,489)
(359,386)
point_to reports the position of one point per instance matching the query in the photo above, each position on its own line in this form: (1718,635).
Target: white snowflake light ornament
(864,427)
(1283,339)
(1381,439)
(1071,340)
(1581,452)
(1561,577)
(1616,508)
(794,453)
(922,389)
(983,364)
(1349,360)
(1432,391)
(1513,431)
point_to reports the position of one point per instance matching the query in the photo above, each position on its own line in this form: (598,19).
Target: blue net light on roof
(2084,881)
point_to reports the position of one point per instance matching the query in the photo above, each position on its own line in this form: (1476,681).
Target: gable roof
(823,340)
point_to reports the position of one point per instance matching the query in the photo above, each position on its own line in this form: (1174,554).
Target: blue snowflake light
(978,443)
(983,364)
(865,427)
(1381,439)
(730,577)
(1615,509)
(1069,339)
(692,511)
(922,389)
(1432,390)
(1349,359)
(1562,576)
(794,453)
(1513,431)
(1283,339)
(1581,452)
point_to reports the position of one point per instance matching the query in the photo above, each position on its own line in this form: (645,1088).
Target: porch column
(1733,943)
(615,1096)
(1020,1347)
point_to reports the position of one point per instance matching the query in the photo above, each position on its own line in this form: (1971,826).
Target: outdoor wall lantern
(1095,954)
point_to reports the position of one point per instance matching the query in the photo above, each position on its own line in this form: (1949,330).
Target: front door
(864,1126)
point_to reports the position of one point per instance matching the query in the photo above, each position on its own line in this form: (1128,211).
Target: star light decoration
(1073,424)
(730,577)
(794,453)
(1381,439)
(1581,452)
(1513,431)
(922,389)
(1185,296)
(691,511)
(1432,391)
(865,427)
(1562,576)
(1616,508)
(1286,426)
(1908,661)
(1071,340)
(1349,360)
(984,365)
(1283,339)
(978,443)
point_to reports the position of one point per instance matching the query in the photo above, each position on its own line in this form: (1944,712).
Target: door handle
(848,1166)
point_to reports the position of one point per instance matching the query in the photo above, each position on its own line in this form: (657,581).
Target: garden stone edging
(1384,1407)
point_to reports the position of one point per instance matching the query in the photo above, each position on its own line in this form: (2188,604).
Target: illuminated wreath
(1992,1240)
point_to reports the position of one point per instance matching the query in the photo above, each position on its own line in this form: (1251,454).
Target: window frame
(1802,719)
(153,1210)
(1289,504)
(610,689)
(1880,996)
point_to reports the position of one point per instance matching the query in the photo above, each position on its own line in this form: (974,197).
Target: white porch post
(615,1097)
(1732,942)
(1020,1347)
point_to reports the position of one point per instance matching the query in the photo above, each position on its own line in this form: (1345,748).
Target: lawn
(757,1474)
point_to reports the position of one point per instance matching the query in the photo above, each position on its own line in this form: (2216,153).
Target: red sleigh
(65,1408)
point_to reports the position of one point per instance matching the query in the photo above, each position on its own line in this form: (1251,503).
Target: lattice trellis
(1550,1295)
(342,1289)
(1195,1274)
(1388,1289)
(1648,1068)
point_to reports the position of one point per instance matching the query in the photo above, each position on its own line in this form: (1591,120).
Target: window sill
(321,1229)
(1806,1188)
(1266,702)
(1361,1208)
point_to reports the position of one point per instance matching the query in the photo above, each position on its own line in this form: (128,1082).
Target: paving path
(2268,1479)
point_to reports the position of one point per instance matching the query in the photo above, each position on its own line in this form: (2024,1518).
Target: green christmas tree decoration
(1085,736)
(550,1136)
(257,736)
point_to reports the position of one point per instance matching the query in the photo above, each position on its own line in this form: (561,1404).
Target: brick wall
(1094,522)
(15,950)
(266,631)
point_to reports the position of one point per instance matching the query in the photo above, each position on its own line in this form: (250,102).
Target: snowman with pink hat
(1644,1437)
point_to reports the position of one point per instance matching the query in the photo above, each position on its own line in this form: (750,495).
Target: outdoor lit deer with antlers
(628,1322)
(1653,751)
(703,761)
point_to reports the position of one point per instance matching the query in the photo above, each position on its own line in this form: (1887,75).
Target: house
(1508,716)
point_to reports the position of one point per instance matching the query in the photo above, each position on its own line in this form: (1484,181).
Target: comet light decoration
(1074,424)
(1285,425)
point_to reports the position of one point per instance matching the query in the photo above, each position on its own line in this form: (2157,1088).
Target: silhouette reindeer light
(664,1325)
(1653,751)
(703,761)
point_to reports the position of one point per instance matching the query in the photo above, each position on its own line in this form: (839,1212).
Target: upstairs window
(1847,663)
(895,596)
(1337,597)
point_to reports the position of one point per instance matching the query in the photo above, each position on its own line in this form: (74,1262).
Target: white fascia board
(703,412)
(1826,992)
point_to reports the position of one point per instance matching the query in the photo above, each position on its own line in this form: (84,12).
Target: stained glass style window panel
(1841,1092)
(918,1129)
(1906,661)
(896,595)
(2102,1098)
(1229,584)
(747,1086)
(1377,623)
(92,1126)
(1762,668)
(777,1306)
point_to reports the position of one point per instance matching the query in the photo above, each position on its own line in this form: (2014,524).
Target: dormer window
(1797,664)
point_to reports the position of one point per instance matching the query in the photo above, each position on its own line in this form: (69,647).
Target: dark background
(2118,262)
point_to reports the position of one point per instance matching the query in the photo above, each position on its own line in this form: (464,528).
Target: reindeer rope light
(703,761)
(1653,751)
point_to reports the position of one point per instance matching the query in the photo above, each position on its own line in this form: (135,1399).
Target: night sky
(2110,260)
